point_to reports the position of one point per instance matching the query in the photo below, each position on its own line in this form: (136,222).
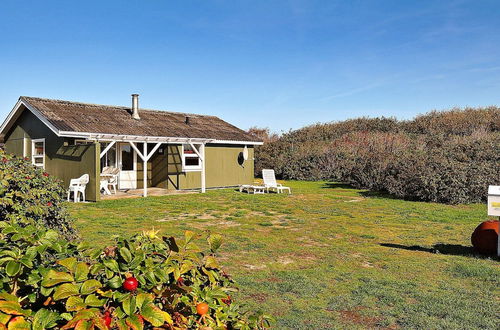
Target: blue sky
(280,64)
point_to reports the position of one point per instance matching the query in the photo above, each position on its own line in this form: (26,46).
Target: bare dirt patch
(259,297)
(285,260)
(255,267)
(353,316)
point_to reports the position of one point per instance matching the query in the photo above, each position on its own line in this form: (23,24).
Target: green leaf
(12,268)
(19,323)
(215,241)
(75,303)
(4,318)
(12,307)
(93,301)
(81,271)
(5,259)
(90,286)
(115,282)
(111,264)
(143,299)
(129,305)
(122,325)
(188,235)
(27,262)
(53,278)
(211,262)
(68,263)
(126,255)
(65,290)
(86,314)
(155,316)
(135,322)
(8,297)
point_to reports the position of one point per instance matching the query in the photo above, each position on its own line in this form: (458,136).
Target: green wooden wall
(222,168)
(63,161)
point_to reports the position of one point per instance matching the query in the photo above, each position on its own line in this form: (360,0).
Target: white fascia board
(10,116)
(42,118)
(237,142)
(15,111)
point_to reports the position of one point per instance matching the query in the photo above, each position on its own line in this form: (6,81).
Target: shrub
(48,282)
(448,157)
(31,196)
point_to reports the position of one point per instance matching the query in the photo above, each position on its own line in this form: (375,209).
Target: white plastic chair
(270,182)
(110,174)
(77,186)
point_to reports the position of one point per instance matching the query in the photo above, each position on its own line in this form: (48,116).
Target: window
(38,152)
(190,160)
(109,159)
(80,142)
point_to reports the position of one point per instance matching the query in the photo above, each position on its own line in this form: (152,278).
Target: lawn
(329,256)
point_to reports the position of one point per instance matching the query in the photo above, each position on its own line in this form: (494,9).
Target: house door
(127,160)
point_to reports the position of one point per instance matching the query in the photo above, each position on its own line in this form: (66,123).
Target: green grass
(329,256)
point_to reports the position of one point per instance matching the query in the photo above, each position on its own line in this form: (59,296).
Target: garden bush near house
(50,280)
(142,282)
(29,195)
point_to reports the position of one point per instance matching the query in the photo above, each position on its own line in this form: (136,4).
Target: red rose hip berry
(107,319)
(130,284)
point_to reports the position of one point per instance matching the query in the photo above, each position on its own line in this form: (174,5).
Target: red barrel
(485,237)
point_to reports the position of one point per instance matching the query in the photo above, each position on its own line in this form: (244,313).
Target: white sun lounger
(252,189)
(270,182)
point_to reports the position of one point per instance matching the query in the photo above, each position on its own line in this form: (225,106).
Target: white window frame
(190,168)
(82,142)
(25,147)
(33,156)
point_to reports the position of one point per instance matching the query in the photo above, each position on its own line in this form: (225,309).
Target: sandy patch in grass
(307,241)
(285,260)
(255,267)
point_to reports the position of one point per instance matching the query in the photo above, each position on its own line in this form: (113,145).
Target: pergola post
(145,170)
(202,158)
(201,155)
(145,157)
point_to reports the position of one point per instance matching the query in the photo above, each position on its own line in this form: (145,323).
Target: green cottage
(179,151)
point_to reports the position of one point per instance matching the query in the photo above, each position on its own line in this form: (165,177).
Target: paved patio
(153,191)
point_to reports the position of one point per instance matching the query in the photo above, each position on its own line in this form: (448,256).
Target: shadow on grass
(379,194)
(336,185)
(448,249)
(366,193)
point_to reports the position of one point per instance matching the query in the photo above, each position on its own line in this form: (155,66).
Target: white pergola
(157,141)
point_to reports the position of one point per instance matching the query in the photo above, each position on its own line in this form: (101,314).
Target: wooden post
(145,170)
(202,159)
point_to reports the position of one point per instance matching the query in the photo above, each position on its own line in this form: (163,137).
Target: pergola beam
(107,149)
(145,157)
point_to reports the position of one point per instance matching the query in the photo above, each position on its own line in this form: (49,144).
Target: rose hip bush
(30,195)
(51,280)
(146,281)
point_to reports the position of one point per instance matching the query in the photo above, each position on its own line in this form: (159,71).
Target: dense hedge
(448,157)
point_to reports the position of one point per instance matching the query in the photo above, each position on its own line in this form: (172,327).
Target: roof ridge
(27,98)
